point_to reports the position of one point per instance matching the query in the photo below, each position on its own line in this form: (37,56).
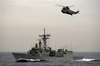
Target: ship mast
(44,38)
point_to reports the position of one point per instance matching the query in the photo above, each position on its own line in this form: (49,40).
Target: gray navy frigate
(42,52)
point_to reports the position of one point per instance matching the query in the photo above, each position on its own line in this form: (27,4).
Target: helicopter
(66,10)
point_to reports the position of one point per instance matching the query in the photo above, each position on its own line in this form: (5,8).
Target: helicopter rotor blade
(71,6)
(60,5)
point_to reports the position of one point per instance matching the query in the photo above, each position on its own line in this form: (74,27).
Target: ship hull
(65,57)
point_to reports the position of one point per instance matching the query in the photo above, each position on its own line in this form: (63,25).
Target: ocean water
(7,59)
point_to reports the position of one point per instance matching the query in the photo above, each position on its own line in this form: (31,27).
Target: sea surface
(7,59)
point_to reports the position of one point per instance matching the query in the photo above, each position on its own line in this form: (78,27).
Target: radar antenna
(44,38)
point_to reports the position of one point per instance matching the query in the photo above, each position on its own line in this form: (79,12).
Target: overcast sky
(21,21)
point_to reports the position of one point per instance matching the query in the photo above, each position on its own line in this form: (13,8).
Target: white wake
(87,60)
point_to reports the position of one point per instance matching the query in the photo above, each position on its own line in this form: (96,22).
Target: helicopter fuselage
(66,10)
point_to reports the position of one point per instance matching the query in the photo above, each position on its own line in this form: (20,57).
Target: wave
(27,60)
(84,59)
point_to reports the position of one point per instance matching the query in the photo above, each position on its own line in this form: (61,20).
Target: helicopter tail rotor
(78,11)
